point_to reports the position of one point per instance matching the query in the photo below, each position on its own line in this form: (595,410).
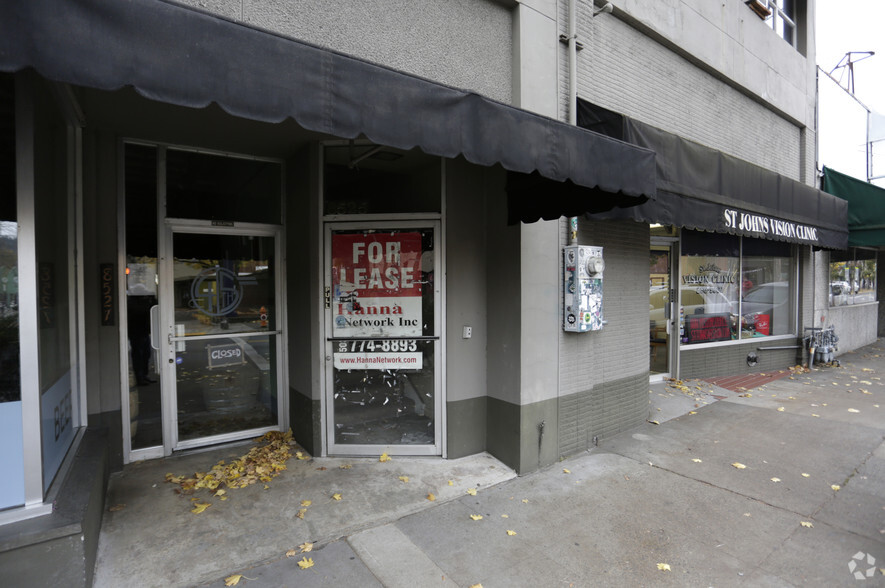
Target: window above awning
(702,188)
(182,56)
(866,207)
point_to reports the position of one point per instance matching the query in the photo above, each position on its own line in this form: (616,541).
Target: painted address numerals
(107,294)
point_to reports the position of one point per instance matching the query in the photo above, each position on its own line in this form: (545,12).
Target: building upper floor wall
(737,45)
(465,44)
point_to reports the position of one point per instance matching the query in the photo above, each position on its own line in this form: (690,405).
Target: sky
(843,26)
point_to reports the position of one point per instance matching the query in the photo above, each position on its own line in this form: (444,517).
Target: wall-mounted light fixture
(606,8)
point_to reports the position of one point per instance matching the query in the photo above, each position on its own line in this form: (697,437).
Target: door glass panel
(383,347)
(660,306)
(224,284)
(145,415)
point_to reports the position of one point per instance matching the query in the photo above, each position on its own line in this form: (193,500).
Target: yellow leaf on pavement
(476,517)
(696,460)
(692,412)
(404,479)
(336,496)
(300,513)
(306,547)
(431,497)
(233,580)
(835,487)
(806,524)
(739,465)
(525,500)
(511,533)
(780,409)
(451,482)
(664,567)
(476,586)
(471,491)
(306,502)
(775,479)
(346,466)
(566,471)
(384,457)
(292,553)
(853,410)
(200,507)
(804,475)
(306,562)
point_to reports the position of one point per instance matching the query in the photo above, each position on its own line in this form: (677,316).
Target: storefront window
(734,288)
(12,487)
(853,277)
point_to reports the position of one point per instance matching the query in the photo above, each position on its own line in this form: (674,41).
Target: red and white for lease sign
(376,284)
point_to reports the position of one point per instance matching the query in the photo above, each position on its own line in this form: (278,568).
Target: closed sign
(225,355)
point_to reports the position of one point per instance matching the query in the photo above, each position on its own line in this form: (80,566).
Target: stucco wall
(461,44)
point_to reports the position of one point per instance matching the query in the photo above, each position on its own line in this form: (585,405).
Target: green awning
(866,207)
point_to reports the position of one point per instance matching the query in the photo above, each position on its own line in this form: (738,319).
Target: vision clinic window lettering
(734,288)
(766,226)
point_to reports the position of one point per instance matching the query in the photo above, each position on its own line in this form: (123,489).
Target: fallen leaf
(476,517)
(746,514)
(117,507)
(654,422)
(336,496)
(300,513)
(804,475)
(233,580)
(347,466)
(696,460)
(306,502)
(404,479)
(504,516)
(384,457)
(306,562)
(692,412)
(511,533)
(525,500)
(431,496)
(781,409)
(835,487)
(815,415)
(200,507)
(471,491)
(566,471)
(306,547)
(807,524)
(853,410)
(451,482)
(775,479)
(476,586)
(664,567)
(292,553)
(739,466)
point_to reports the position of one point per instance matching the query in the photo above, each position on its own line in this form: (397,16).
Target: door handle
(155,326)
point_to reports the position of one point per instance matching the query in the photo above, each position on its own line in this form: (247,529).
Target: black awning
(702,188)
(866,207)
(186,57)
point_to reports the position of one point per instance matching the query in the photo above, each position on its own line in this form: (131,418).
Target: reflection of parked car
(771,300)
(694,299)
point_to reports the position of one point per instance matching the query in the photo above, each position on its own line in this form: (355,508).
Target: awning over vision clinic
(866,207)
(186,57)
(702,188)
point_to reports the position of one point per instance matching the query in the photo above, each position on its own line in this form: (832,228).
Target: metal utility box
(582,288)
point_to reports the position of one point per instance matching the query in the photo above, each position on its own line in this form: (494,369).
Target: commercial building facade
(250,217)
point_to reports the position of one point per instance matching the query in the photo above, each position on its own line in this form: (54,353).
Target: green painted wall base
(466,427)
(305,417)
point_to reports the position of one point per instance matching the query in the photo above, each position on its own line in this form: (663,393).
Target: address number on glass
(387,345)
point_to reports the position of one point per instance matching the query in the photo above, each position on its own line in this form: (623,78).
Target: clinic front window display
(733,288)
(853,277)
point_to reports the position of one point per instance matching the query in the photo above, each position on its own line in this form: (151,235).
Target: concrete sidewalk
(664,495)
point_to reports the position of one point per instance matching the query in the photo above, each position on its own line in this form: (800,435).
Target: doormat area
(747,381)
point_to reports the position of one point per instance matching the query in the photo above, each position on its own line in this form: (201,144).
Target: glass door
(661,298)
(220,334)
(383,320)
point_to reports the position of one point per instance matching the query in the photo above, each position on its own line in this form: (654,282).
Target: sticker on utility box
(378,361)
(225,355)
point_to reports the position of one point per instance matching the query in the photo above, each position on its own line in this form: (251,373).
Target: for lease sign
(376,284)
